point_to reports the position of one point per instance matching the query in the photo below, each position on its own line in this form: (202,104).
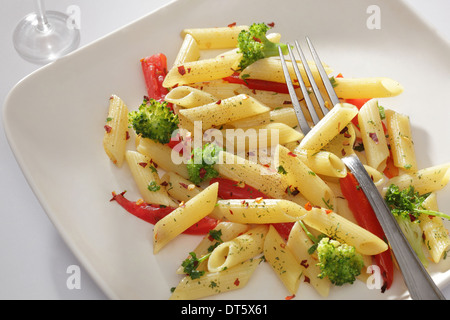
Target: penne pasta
(183,217)
(116,130)
(425,180)
(400,141)
(189,51)
(282,260)
(227,231)
(216,282)
(180,188)
(270,69)
(322,162)
(258,176)
(161,155)
(215,38)
(202,70)
(224,111)
(242,248)
(299,176)
(366,88)
(343,230)
(299,244)
(147,179)
(329,127)
(436,237)
(258,211)
(189,97)
(373,136)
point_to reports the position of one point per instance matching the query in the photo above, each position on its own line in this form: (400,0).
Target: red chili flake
(202,173)
(189,70)
(164,183)
(287,102)
(283,245)
(307,280)
(153,163)
(290,153)
(231,212)
(181,70)
(143,164)
(184,185)
(374,137)
(232,25)
(304,263)
(271,24)
(219,102)
(107,128)
(290,297)
(308,206)
(127,135)
(257,39)
(343,152)
(328,211)
(236,282)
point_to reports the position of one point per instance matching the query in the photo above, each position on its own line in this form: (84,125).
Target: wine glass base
(41,47)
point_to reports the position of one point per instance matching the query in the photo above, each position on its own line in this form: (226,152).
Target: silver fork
(416,277)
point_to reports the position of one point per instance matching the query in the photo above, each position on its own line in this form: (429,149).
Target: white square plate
(54,122)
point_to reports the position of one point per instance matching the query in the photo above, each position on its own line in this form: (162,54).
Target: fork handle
(417,279)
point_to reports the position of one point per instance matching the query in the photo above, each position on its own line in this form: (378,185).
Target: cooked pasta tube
(299,244)
(424,180)
(230,253)
(254,174)
(373,136)
(161,155)
(282,260)
(116,128)
(202,70)
(270,69)
(189,51)
(180,188)
(189,97)
(147,179)
(343,230)
(322,162)
(226,230)
(401,141)
(215,38)
(184,216)
(329,127)
(436,235)
(224,111)
(366,88)
(258,211)
(216,282)
(262,136)
(300,176)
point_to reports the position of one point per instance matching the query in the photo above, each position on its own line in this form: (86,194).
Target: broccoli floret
(338,261)
(407,206)
(254,45)
(154,120)
(201,165)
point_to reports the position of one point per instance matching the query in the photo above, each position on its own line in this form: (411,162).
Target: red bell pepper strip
(154,68)
(256,84)
(230,189)
(152,213)
(366,218)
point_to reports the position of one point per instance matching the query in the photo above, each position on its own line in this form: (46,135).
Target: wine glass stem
(43,25)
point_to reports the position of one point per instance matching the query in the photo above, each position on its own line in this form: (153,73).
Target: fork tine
(311,79)
(297,108)
(326,81)
(305,92)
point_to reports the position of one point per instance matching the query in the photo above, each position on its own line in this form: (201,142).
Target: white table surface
(34,260)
